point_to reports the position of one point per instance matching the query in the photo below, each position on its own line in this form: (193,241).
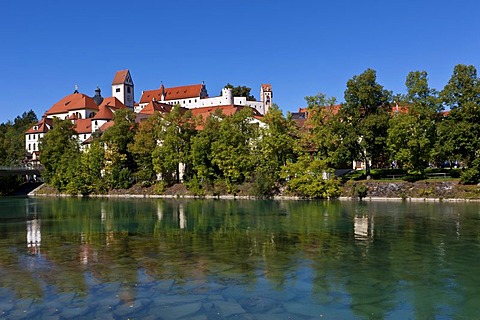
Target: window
(117,90)
(29,147)
(128,89)
(85,137)
(189,101)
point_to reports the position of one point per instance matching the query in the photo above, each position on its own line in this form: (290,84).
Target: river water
(67,258)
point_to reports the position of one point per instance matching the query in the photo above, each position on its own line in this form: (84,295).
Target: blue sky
(300,47)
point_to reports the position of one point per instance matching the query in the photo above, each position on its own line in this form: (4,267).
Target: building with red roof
(88,114)
(96,113)
(196,96)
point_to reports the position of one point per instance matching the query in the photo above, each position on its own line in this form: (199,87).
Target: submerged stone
(226,309)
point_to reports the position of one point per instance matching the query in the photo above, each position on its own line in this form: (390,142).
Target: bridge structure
(20,170)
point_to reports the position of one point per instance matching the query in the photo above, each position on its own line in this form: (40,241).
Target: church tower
(122,88)
(266,95)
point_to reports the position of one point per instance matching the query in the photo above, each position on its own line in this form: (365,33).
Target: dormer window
(35,128)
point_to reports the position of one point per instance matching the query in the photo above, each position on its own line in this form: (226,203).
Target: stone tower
(266,96)
(122,88)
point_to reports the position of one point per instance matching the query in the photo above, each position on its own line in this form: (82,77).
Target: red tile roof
(42,126)
(113,103)
(74,101)
(83,126)
(105,113)
(227,110)
(174,93)
(153,106)
(267,87)
(120,77)
(107,108)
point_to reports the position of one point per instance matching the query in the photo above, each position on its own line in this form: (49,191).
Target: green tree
(60,154)
(274,148)
(119,162)
(12,138)
(459,132)
(321,136)
(202,153)
(144,144)
(364,120)
(311,178)
(90,178)
(241,91)
(412,135)
(12,147)
(232,152)
(173,151)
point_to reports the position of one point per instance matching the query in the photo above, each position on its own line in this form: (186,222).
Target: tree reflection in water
(367,259)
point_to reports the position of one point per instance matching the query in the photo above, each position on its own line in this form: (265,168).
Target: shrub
(195,187)
(472,174)
(159,187)
(361,190)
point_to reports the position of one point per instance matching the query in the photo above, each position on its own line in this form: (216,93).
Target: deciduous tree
(412,135)
(60,154)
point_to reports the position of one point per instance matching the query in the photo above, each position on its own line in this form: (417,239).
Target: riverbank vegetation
(410,137)
(12,148)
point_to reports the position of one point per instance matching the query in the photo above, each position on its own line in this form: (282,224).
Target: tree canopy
(241,91)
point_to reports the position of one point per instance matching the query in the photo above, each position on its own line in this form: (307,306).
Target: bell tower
(266,96)
(122,88)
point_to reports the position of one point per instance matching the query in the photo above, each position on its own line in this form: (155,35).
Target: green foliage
(412,136)
(145,141)
(309,178)
(472,174)
(12,138)
(194,186)
(241,91)
(363,120)
(174,132)
(159,187)
(324,133)
(119,162)
(361,190)
(60,155)
(459,133)
(263,184)
(232,151)
(202,152)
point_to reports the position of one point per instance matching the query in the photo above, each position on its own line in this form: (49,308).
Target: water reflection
(299,259)
(34,235)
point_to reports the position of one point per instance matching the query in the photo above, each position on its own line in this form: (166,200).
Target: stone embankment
(425,190)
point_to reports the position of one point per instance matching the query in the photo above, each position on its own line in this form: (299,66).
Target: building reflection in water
(182,217)
(34,235)
(159,211)
(363,227)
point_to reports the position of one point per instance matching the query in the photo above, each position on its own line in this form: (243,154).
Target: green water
(215,259)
